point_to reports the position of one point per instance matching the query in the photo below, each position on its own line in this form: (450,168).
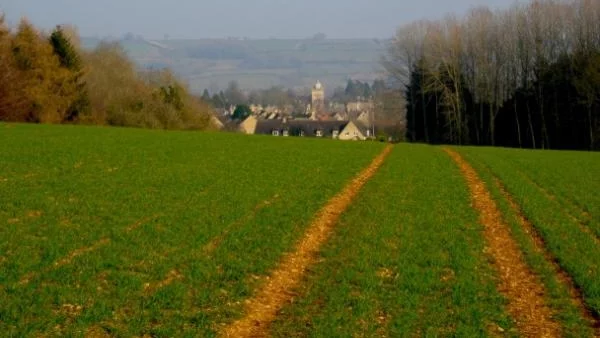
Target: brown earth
(521,287)
(262,309)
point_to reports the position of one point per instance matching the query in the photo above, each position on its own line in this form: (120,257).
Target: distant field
(259,64)
(125,232)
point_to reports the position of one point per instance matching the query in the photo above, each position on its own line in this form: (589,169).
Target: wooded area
(526,77)
(48,78)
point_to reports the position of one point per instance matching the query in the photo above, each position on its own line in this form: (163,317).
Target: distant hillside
(259,64)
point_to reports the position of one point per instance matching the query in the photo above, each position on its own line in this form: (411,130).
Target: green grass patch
(558,296)
(569,176)
(407,260)
(159,198)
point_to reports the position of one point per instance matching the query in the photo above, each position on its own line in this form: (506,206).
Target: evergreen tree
(241,112)
(206,96)
(70,60)
(67,55)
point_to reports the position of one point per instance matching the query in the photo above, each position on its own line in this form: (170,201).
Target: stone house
(342,130)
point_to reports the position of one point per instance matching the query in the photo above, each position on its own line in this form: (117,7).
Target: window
(286,133)
(319,133)
(275,132)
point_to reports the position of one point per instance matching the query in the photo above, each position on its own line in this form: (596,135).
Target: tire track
(209,248)
(262,308)
(150,288)
(570,209)
(521,287)
(68,259)
(561,275)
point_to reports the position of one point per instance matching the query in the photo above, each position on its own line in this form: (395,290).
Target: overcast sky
(249,18)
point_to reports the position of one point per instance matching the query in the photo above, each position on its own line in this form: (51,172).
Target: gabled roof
(361,126)
(295,127)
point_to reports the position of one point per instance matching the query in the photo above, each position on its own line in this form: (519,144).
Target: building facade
(317,100)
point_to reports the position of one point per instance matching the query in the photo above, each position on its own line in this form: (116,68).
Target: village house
(342,130)
(359,106)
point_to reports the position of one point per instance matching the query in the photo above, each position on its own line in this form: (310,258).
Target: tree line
(525,77)
(358,90)
(233,95)
(49,78)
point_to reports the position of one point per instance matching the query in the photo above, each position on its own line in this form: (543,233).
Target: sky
(191,19)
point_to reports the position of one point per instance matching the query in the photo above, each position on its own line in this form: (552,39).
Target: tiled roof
(300,127)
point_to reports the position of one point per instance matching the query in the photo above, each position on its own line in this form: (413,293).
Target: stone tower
(318,100)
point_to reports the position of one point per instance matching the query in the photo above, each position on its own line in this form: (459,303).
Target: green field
(127,232)
(559,193)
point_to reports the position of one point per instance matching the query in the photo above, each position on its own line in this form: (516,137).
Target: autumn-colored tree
(120,95)
(12,99)
(48,79)
(112,85)
(46,83)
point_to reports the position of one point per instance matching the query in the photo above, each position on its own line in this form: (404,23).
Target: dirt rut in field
(261,310)
(79,252)
(522,288)
(580,219)
(540,247)
(211,246)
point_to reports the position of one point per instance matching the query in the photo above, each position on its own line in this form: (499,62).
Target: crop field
(558,193)
(406,260)
(136,232)
(109,232)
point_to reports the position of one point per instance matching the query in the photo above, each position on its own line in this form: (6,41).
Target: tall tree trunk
(531,126)
(413,112)
(424,108)
(543,127)
(479,129)
(591,127)
(518,124)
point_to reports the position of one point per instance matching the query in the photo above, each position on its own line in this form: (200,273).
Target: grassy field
(407,260)
(130,232)
(149,232)
(558,193)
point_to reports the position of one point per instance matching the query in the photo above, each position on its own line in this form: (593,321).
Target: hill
(257,64)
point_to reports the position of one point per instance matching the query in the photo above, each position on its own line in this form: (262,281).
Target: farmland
(146,232)
(125,232)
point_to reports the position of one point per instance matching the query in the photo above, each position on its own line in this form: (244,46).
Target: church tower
(318,100)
